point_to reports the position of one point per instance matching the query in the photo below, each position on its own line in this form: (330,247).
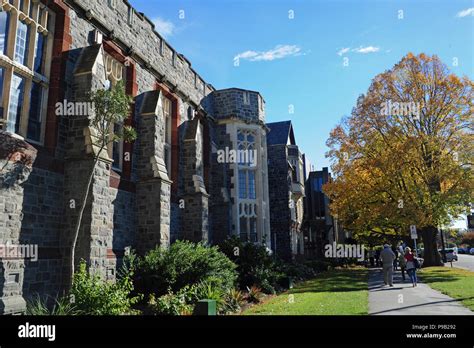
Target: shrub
(298,271)
(184,263)
(169,304)
(233,301)
(61,306)
(209,290)
(93,296)
(254,294)
(318,266)
(254,264)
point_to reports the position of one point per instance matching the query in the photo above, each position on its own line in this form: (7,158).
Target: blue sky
(299,61)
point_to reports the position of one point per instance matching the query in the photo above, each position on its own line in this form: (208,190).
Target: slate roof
(279,133)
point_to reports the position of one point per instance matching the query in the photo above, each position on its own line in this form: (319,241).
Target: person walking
(395,260)
(403,264)
(372,257)
(410,266)
(377,257)
(387,257)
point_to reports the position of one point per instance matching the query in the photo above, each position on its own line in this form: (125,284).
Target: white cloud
(360,49)
(466,12)
(368,49)
(164,27)
(343,51)
(279,52)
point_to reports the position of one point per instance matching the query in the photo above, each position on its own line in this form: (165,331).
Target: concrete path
(403,299)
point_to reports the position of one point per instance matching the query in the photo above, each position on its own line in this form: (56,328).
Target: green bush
(183,301)
(169,304)
(93,296)
(298,271)
(184,263)
(210,290)
(254,264)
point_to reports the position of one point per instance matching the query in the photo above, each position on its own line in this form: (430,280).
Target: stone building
(171,183)
(286,180)
(321,227)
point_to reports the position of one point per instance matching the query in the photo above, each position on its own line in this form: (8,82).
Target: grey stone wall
(43,211)
(16,159)
(280,214)
(124,219)
(220,205)
(230,103)
(43,207)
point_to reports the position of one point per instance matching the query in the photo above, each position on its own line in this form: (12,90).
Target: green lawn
(342,291)
(454,282)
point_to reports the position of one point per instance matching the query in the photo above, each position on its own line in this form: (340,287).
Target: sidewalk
(422,300)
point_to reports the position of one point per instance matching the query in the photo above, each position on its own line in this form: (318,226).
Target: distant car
(451,254)
(471,251)
(462,251)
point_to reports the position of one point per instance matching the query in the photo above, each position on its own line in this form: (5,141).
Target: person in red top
(411,268)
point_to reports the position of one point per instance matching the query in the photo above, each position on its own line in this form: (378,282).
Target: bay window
(247,193)
(26,40)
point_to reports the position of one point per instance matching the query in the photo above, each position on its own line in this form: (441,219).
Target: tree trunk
(81,213)
(430,255)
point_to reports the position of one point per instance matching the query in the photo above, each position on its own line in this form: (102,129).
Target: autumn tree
(404,156)
(468,239)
